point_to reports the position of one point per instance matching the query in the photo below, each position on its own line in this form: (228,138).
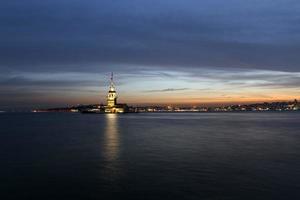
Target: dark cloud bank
(95,35)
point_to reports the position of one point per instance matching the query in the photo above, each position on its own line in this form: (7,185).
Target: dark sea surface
(150,156)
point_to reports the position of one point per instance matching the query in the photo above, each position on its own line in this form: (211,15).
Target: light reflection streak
(111,137)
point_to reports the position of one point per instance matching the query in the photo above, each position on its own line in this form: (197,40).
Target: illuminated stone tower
(112,94)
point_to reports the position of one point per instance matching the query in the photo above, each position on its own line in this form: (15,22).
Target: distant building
(112,105)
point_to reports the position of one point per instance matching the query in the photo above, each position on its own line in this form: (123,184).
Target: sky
(61,52)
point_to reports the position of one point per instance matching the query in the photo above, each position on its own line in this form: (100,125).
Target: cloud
(245,78)
(165,46)
(101,35)
(168,90)
(26,82)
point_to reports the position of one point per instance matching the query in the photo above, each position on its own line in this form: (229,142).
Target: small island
(112,105)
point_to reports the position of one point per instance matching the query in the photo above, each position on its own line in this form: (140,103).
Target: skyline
(55,53)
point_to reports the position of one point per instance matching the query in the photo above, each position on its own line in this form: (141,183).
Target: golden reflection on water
(111,137)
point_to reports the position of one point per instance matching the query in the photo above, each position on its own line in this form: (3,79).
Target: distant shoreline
(257,107)
(290,106)
(163,112)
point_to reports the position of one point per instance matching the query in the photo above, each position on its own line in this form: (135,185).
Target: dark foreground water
(150,156)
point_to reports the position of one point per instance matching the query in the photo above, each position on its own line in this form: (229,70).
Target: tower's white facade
(112,94)
(112,105)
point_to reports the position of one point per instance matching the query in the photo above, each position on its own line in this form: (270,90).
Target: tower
(112,94)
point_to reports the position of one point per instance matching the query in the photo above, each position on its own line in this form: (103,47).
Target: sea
(53,156)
